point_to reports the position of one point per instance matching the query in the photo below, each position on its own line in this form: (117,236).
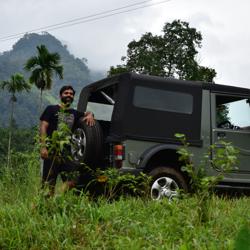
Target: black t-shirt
(53,114)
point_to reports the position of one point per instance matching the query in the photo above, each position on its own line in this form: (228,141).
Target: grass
(68,221)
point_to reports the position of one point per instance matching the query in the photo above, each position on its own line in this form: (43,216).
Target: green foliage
(222,158)
(22,140)
(16,84)
(114,183)
(119,69)
(29,221)
(59,140)
(58,144)
(69,221)
(242,241)
(18,182)
(222,112)
(42,67)
(26,113)
(173,54)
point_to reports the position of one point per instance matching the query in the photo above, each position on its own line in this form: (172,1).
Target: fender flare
(150,152)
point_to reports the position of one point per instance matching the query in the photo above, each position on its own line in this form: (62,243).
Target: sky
(224,25)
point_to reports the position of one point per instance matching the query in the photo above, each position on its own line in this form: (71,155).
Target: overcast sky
(224,25)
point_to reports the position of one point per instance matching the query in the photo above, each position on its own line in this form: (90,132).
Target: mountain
(76,73)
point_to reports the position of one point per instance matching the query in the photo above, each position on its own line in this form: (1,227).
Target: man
(52,116)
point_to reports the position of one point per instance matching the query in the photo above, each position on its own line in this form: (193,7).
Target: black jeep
(137,119)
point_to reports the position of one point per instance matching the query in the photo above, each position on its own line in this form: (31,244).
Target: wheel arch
(162,155)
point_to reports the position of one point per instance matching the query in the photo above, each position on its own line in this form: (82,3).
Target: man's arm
(43,133)
(89,118)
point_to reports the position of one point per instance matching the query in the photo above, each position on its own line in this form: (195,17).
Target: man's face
(67,97)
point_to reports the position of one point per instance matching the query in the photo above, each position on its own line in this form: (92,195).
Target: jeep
(137,117)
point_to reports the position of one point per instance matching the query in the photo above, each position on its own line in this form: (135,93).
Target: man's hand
(43,133)
(44,153)
(89,118)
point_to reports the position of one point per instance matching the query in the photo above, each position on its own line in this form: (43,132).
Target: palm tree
(42,68)
(16,84)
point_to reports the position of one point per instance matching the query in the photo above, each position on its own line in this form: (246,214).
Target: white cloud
(223,24)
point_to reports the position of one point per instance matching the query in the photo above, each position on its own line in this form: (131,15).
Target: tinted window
(163,100)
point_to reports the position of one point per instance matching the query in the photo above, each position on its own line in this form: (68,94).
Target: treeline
(23,140)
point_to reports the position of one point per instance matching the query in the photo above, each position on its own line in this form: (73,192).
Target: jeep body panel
(145,112)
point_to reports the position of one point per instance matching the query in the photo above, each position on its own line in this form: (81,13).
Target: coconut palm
(16,84)
(42,68)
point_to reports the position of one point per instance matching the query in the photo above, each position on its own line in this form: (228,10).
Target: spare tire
(87,144)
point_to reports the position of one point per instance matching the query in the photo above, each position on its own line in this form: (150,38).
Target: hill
(76,73)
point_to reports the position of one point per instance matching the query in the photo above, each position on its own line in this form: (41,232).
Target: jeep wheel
(87,144)
(165,183)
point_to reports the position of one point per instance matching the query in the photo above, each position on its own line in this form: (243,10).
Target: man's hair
(66,87)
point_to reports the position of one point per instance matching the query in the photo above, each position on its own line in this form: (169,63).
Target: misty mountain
(76,73)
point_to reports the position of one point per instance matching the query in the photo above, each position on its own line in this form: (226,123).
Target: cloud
(223,24)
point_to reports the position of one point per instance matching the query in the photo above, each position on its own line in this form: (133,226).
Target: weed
(111,183)
(223,159)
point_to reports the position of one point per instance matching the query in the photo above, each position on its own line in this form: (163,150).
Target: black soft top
(156,79)
(129,121)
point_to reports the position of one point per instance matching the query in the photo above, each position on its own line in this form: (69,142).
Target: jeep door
(231,123)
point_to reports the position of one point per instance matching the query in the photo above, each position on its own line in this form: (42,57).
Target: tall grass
(69,221)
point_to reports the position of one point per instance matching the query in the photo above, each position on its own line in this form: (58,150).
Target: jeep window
(102,111)
(232,112)
(101,103)
(163,100)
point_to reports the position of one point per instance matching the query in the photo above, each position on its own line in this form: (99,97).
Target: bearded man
(52,116)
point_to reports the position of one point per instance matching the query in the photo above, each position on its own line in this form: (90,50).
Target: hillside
(76,73)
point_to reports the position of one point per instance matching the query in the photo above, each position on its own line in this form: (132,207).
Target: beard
(67,100)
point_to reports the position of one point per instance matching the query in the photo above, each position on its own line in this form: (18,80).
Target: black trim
(226,89)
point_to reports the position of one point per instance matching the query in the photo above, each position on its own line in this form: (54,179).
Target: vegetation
(22,140)
(75,220)
(173,54)
(42,68)
(29,221)
(222,113)
(26,108)
(16,84)
(224,160)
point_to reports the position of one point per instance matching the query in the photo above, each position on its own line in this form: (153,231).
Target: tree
(42,68)
(222,112)
(173,54)
(16,84)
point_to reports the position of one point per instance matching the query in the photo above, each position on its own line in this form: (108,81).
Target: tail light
(119,155)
